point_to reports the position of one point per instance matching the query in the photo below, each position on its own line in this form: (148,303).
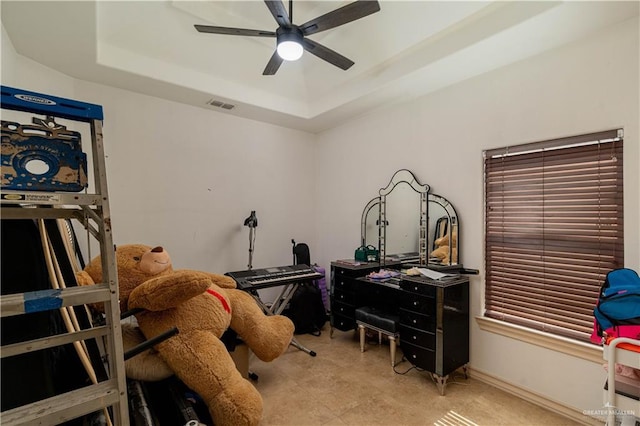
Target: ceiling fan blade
(273,65)
(327,54)
(279,12)
(351,12)
(234,31)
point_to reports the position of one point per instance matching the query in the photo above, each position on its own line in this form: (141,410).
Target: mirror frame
(363,223)
(454,223)
(426,240)
(404,176)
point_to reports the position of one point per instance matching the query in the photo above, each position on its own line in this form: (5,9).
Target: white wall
(186,178)
(587,86)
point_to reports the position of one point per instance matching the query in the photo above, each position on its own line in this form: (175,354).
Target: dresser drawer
(345,284)
(419,356)
(343,309)
(421,304)
(418,288)
(346,297)
(352,273)
(420,321)
(342,322)
(417,337)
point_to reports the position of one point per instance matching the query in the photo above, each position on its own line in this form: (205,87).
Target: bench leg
(362,333)
(392,349)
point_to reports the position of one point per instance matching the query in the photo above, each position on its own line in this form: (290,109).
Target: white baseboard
(535,398)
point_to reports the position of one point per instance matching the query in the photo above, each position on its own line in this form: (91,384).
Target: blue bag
(617,312)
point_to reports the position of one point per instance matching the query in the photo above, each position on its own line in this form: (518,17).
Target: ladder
(92,210)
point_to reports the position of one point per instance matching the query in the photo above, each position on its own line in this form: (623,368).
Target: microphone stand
(293,251)
(252,223)
(251,244)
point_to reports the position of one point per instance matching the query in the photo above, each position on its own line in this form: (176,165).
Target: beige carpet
(342,386)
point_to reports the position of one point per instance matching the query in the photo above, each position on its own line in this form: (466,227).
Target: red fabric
(627,346)
(628,330)
(225,305)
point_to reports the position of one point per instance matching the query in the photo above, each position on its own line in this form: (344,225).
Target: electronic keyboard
(255,279)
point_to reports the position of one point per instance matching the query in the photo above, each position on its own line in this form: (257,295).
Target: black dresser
(434,314)
(434,325)
(348,292)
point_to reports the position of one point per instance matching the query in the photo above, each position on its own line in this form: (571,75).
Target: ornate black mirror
(403,219)
(408,224)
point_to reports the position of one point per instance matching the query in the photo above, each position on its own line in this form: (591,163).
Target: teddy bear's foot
(271,339)
(224,407)
(202,362)
(268,336)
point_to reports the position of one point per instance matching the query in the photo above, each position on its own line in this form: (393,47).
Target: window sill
(559,344)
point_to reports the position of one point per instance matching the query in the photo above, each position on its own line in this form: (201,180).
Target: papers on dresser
(434,275)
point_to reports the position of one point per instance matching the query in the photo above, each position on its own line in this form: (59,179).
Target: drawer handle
(414,337)
(341,309)
(415,288)
(342,296)
(415,321)
(413,356)
(415,303)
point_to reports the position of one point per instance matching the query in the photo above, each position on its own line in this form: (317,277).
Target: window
(553,229)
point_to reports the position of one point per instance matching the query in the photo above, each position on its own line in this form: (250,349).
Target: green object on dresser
(367,254)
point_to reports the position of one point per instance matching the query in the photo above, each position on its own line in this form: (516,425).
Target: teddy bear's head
(136,263)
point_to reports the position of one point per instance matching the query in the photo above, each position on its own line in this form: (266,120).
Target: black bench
(383,323)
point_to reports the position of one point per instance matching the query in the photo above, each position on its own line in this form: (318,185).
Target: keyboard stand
(281,301)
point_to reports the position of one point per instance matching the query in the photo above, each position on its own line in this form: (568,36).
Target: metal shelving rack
(622,407)
(92,210)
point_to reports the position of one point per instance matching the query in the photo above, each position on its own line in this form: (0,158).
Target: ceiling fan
(291,38)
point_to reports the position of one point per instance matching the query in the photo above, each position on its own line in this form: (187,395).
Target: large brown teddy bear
(202,306)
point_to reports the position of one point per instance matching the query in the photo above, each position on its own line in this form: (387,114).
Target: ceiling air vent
(220,104)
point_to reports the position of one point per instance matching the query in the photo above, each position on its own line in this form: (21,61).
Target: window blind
(553,229)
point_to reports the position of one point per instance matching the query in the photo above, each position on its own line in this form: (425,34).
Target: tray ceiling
(407,49)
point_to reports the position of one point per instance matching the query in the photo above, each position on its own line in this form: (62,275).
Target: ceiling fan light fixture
(289,44)
(291,39)
(290,50)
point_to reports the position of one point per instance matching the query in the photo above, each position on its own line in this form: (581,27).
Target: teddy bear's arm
(221,281)
(168,291)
